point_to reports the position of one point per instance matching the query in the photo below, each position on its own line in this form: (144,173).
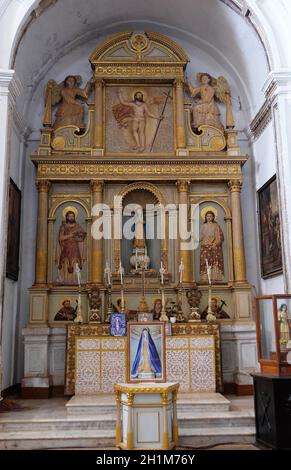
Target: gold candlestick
(79,318)
(180,316)
(143,306)
(163,316)
(210,316)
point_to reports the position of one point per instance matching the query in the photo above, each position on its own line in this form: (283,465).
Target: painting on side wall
(13,233)
(269,222)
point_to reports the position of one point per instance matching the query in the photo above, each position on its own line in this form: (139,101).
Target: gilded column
(118,421)
(175,418)
(129,436)
(42,233)
(97,245)
(237,232)
(180,119)
(165,438)
(98,115)
(185,255)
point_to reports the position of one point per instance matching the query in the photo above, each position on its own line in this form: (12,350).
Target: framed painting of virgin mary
(146,352)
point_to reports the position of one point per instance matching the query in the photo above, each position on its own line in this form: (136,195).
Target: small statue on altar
(94,304)
(157,309)
(205,111)
(67,312)
(194,297)
(70,111)
(140,258)
(283,325)
(216,310)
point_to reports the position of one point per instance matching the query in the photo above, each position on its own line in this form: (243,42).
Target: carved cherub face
(205,79)
(70,82)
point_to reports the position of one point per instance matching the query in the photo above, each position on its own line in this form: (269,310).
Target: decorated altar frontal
(96,361)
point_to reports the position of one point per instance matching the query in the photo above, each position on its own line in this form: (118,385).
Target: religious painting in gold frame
(146,358)
(269,224)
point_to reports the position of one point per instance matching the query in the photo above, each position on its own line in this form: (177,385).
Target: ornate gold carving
(142,186)
(97,186)
(128,388)
(130,398)
(183,186)
(179,82)
(66,138)
(81,171)
(43,186)
(210,139)
(164,396)
(58,143)
(138,42)
(73,332)
(235,186)
(140,70)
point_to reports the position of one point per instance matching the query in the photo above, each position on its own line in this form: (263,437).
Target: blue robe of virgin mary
(153,355)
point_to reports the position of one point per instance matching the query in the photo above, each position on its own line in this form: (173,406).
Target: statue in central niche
(134,114)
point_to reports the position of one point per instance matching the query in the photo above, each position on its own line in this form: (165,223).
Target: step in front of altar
(89,422)
(187,402)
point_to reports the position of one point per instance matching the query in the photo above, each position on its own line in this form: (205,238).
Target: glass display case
(273,322)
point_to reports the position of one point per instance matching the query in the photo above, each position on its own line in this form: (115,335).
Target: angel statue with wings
(70,111)
(205,111)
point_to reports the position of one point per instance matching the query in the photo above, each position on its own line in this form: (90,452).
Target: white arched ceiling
(227,40)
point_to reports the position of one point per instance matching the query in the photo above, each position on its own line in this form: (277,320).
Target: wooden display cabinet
(273,323)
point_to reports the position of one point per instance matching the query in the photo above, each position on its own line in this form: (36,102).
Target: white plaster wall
(29,226)
(11,288)
(265,166)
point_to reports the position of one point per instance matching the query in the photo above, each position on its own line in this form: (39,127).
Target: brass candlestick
(143,306)
(109,305)
(210,316)
(79,318)
(180,316)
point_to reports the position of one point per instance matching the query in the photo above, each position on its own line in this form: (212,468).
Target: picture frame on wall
(146,360)
(13,232)
(269,227)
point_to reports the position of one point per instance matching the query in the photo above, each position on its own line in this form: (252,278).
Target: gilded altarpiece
(138,135)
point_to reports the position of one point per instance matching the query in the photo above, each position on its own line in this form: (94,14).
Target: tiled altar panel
(191,362)
(101,362)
